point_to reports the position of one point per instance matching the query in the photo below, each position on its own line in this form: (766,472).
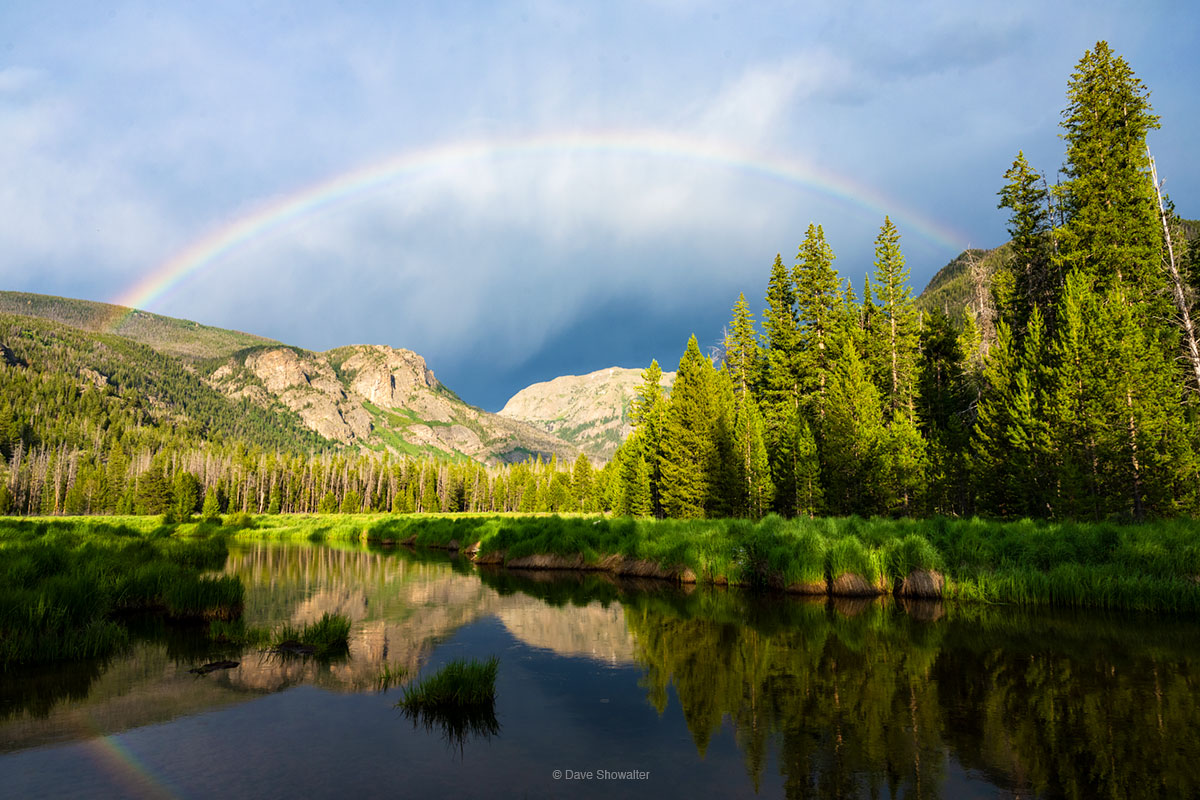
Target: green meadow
(1152,566)
(66,583)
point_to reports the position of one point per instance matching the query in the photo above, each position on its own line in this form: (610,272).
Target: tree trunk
(1177,285)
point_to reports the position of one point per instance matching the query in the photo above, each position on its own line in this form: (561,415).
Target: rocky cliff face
(373,396)
(589,411)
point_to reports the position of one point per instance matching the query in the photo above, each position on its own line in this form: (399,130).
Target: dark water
(674,693)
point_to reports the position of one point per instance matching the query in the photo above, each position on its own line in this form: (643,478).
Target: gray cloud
(128,135)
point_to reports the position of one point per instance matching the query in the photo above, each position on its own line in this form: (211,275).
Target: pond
(611,688)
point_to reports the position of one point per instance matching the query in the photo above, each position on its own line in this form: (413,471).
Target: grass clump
(912,553)
(389,676)
(327,637)
(459,685)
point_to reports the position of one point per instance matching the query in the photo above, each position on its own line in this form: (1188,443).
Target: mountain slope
(590,411)
(175,337)
(63,385)
(378,397)
(950,290)
(213,382)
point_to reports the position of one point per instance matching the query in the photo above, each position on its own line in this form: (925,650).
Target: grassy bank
(65,583)
(1153,566)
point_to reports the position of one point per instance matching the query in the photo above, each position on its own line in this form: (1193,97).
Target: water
(614,688)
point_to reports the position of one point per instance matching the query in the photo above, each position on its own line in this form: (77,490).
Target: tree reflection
(876,703)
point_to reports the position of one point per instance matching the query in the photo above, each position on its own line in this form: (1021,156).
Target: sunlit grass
(327,637)
(460,684)
(63,583)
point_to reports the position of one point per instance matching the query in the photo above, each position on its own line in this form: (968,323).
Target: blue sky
(129,132)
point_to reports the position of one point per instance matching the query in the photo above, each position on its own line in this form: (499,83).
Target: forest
(1065,389)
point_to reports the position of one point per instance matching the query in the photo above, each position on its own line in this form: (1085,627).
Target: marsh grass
(457,686)
(1151,566)
(65,584)
(328,637)
(237,632)
(389,676)
(459,700)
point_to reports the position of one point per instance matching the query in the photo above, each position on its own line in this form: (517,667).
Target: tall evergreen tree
(802,493)
(648,413)
(898,324)
(943,402)
(722,469)
(755,491)
(818,307)
(1035,281)
(688,446)
(851,435)
(1112,230)
(779,378)
(742,351)
(1012,448)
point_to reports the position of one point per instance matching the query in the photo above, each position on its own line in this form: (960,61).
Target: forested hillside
(176,337)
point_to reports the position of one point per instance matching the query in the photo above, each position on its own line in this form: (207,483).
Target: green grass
(461,684)
(1150,566)
(327,637)
(389,676)
(65,583)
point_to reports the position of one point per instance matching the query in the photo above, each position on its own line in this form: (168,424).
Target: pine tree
(722,469)
(688,446)
(851,435)
(1111,232)
(897,324)
(801,494)
(818,307)
(779,380)
(944,399)
(742,352)
(648,413)
(1011,446)
(211,511)
(633,497)
(581,482)
(1035,281)
(186,495)
(754,492)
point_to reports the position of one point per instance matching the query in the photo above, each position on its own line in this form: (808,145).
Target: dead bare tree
(1178,288)
(982,303)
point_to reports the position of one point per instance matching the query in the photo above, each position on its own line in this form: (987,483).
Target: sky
(518,191)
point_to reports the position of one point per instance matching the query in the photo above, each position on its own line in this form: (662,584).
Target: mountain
(202,382)
(378,397)
(589,411)
(173,337)
(950,290)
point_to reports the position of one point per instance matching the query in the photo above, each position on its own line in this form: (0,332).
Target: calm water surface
(672,692)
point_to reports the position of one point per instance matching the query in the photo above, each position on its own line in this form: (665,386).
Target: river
(615,688)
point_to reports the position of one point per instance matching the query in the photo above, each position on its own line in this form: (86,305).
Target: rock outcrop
(590,411)
(373,395)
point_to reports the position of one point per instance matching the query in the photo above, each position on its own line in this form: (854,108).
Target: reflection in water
(868,698)
(874,698)
(457,726)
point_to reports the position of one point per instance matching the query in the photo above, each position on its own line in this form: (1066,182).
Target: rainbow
(126,769)
(636,143)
